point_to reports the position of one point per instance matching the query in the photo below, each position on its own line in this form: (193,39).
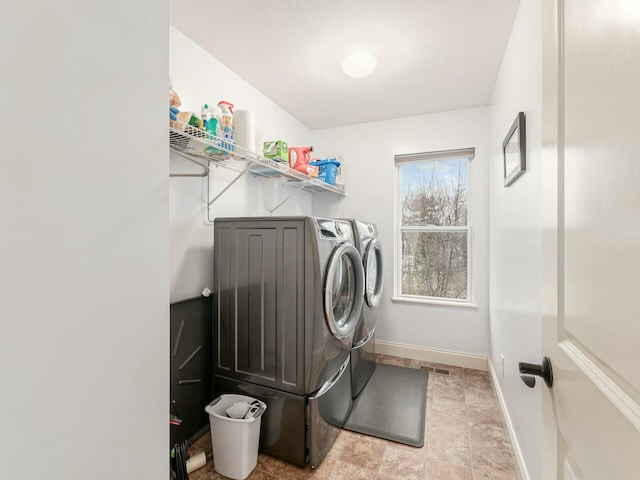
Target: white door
(591,238)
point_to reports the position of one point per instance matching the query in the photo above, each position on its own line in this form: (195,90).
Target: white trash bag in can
(235,434)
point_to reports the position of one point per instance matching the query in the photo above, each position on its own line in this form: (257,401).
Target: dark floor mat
(392,405)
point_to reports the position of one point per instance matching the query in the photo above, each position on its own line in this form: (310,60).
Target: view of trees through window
(434,228)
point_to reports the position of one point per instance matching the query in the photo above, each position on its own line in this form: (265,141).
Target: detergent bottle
(299,158)
(227,124)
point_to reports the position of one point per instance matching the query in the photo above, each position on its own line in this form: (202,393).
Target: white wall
(515,277)
(84,244)
(368,153)
(200,78)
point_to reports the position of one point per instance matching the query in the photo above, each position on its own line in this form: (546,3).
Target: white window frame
(401,160)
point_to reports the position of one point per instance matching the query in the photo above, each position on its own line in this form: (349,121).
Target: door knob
(529,372)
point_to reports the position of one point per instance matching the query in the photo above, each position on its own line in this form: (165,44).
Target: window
(433,247)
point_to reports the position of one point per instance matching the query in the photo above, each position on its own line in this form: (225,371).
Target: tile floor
(464,440)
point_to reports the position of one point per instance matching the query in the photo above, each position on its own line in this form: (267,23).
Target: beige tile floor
(464,440)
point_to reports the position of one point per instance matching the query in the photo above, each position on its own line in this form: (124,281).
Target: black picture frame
(514,151)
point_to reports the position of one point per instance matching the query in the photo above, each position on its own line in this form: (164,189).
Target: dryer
(363,351)
(288,295)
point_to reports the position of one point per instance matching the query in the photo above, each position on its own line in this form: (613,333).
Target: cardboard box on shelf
(276,150)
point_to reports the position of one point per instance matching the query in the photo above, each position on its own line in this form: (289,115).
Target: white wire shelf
(196,143)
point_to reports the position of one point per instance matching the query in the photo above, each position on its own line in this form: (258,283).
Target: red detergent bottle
(299,158)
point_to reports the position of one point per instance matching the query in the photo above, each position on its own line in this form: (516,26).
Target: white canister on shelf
(244,126)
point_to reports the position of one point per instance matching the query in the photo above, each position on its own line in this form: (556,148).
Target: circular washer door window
(373,272)
(344,290)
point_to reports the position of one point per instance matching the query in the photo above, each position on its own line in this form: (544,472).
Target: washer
(289,294)
(363,351)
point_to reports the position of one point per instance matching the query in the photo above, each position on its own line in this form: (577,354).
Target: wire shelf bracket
(230,184)
(192,159)
(299,189)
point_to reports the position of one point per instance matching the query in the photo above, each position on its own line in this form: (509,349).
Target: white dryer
(363,350)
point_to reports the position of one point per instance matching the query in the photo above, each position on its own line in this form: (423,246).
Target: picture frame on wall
(514,150)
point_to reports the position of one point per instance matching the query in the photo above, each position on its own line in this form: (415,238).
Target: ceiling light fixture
(359,62)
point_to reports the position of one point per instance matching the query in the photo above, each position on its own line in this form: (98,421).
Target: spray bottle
(214,121)
(213,115)
(227,124)
(204,114)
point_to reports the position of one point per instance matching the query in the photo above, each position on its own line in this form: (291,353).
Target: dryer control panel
(335,230)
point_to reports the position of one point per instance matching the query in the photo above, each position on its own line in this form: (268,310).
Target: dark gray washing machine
(288,296)
(363,350)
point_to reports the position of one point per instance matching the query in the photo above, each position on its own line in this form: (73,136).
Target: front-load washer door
(373,273)
(343,290)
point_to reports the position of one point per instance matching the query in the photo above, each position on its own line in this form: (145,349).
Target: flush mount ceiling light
(359,62)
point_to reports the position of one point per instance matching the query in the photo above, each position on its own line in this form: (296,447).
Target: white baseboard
(414,352)
(521,468)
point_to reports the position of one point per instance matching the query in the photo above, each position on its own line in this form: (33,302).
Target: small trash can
(235,434)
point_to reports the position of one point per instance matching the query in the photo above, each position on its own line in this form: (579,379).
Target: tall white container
(234,440)
(244,125)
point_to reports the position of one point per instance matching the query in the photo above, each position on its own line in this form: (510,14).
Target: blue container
(327,170)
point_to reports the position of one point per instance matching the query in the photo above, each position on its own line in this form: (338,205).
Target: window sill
(433,301)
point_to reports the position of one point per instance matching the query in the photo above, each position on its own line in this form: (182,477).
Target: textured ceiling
(433,55)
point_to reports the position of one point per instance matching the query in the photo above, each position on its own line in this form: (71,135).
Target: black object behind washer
(191,378)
